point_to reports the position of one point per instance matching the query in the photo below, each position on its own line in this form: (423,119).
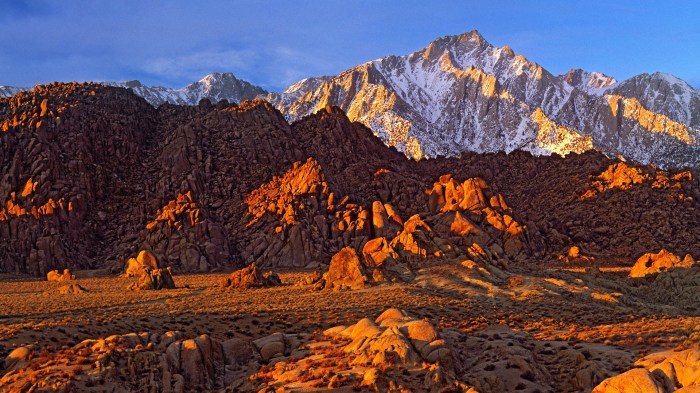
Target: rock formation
(55,275)
(370,354)
(346,271)
(250,277)
(664,260)
(145,260)
(662,372)
(154,279)
(151,274)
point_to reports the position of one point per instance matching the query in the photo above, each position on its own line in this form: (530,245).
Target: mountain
(460,94)
(214,87)
(91,174)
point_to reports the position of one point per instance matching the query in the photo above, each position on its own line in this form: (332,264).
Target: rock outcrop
(346,271)
(250,277)
(205,363)
(183,234)
(142,361)
(151,274)
(370,354)
(144,260)
(662,372)
(154,279)
(396,338)
(664,260)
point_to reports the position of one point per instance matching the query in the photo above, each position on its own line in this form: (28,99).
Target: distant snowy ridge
(215,87)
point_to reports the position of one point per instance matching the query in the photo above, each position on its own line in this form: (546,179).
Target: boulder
(377,252)
(145,259)
(17,358)
(55,275)
(154,280)
(637,380)
(346,271)
(399,338)
(276,344)
(662,372)
(664,260)
(250,277)
(205,363)
(416,241)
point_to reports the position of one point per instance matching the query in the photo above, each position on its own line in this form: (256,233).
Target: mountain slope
(460,93)
(665,94)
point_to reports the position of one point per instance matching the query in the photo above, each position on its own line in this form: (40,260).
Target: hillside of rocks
(92,175)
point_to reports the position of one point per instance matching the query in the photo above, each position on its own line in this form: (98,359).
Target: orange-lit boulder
(54,275)
(145,259)
(346,271)
(655,263)
(154,279)
(250,277)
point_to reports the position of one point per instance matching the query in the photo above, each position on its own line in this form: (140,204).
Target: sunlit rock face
(460,94)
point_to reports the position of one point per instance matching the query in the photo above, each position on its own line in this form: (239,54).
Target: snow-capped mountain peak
(460,93)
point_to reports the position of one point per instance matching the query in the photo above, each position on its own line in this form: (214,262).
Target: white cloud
(200,63)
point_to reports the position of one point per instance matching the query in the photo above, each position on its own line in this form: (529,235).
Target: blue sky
(276,43)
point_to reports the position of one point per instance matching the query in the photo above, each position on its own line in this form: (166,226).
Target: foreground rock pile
(132,362)
(394,352)
(663,372)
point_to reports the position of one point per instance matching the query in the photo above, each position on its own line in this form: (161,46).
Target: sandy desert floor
(554,310)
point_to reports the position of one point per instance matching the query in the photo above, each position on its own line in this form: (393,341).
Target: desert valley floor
(561,330)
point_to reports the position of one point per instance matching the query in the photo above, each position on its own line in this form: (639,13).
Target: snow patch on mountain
(9,91)
(594,83)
